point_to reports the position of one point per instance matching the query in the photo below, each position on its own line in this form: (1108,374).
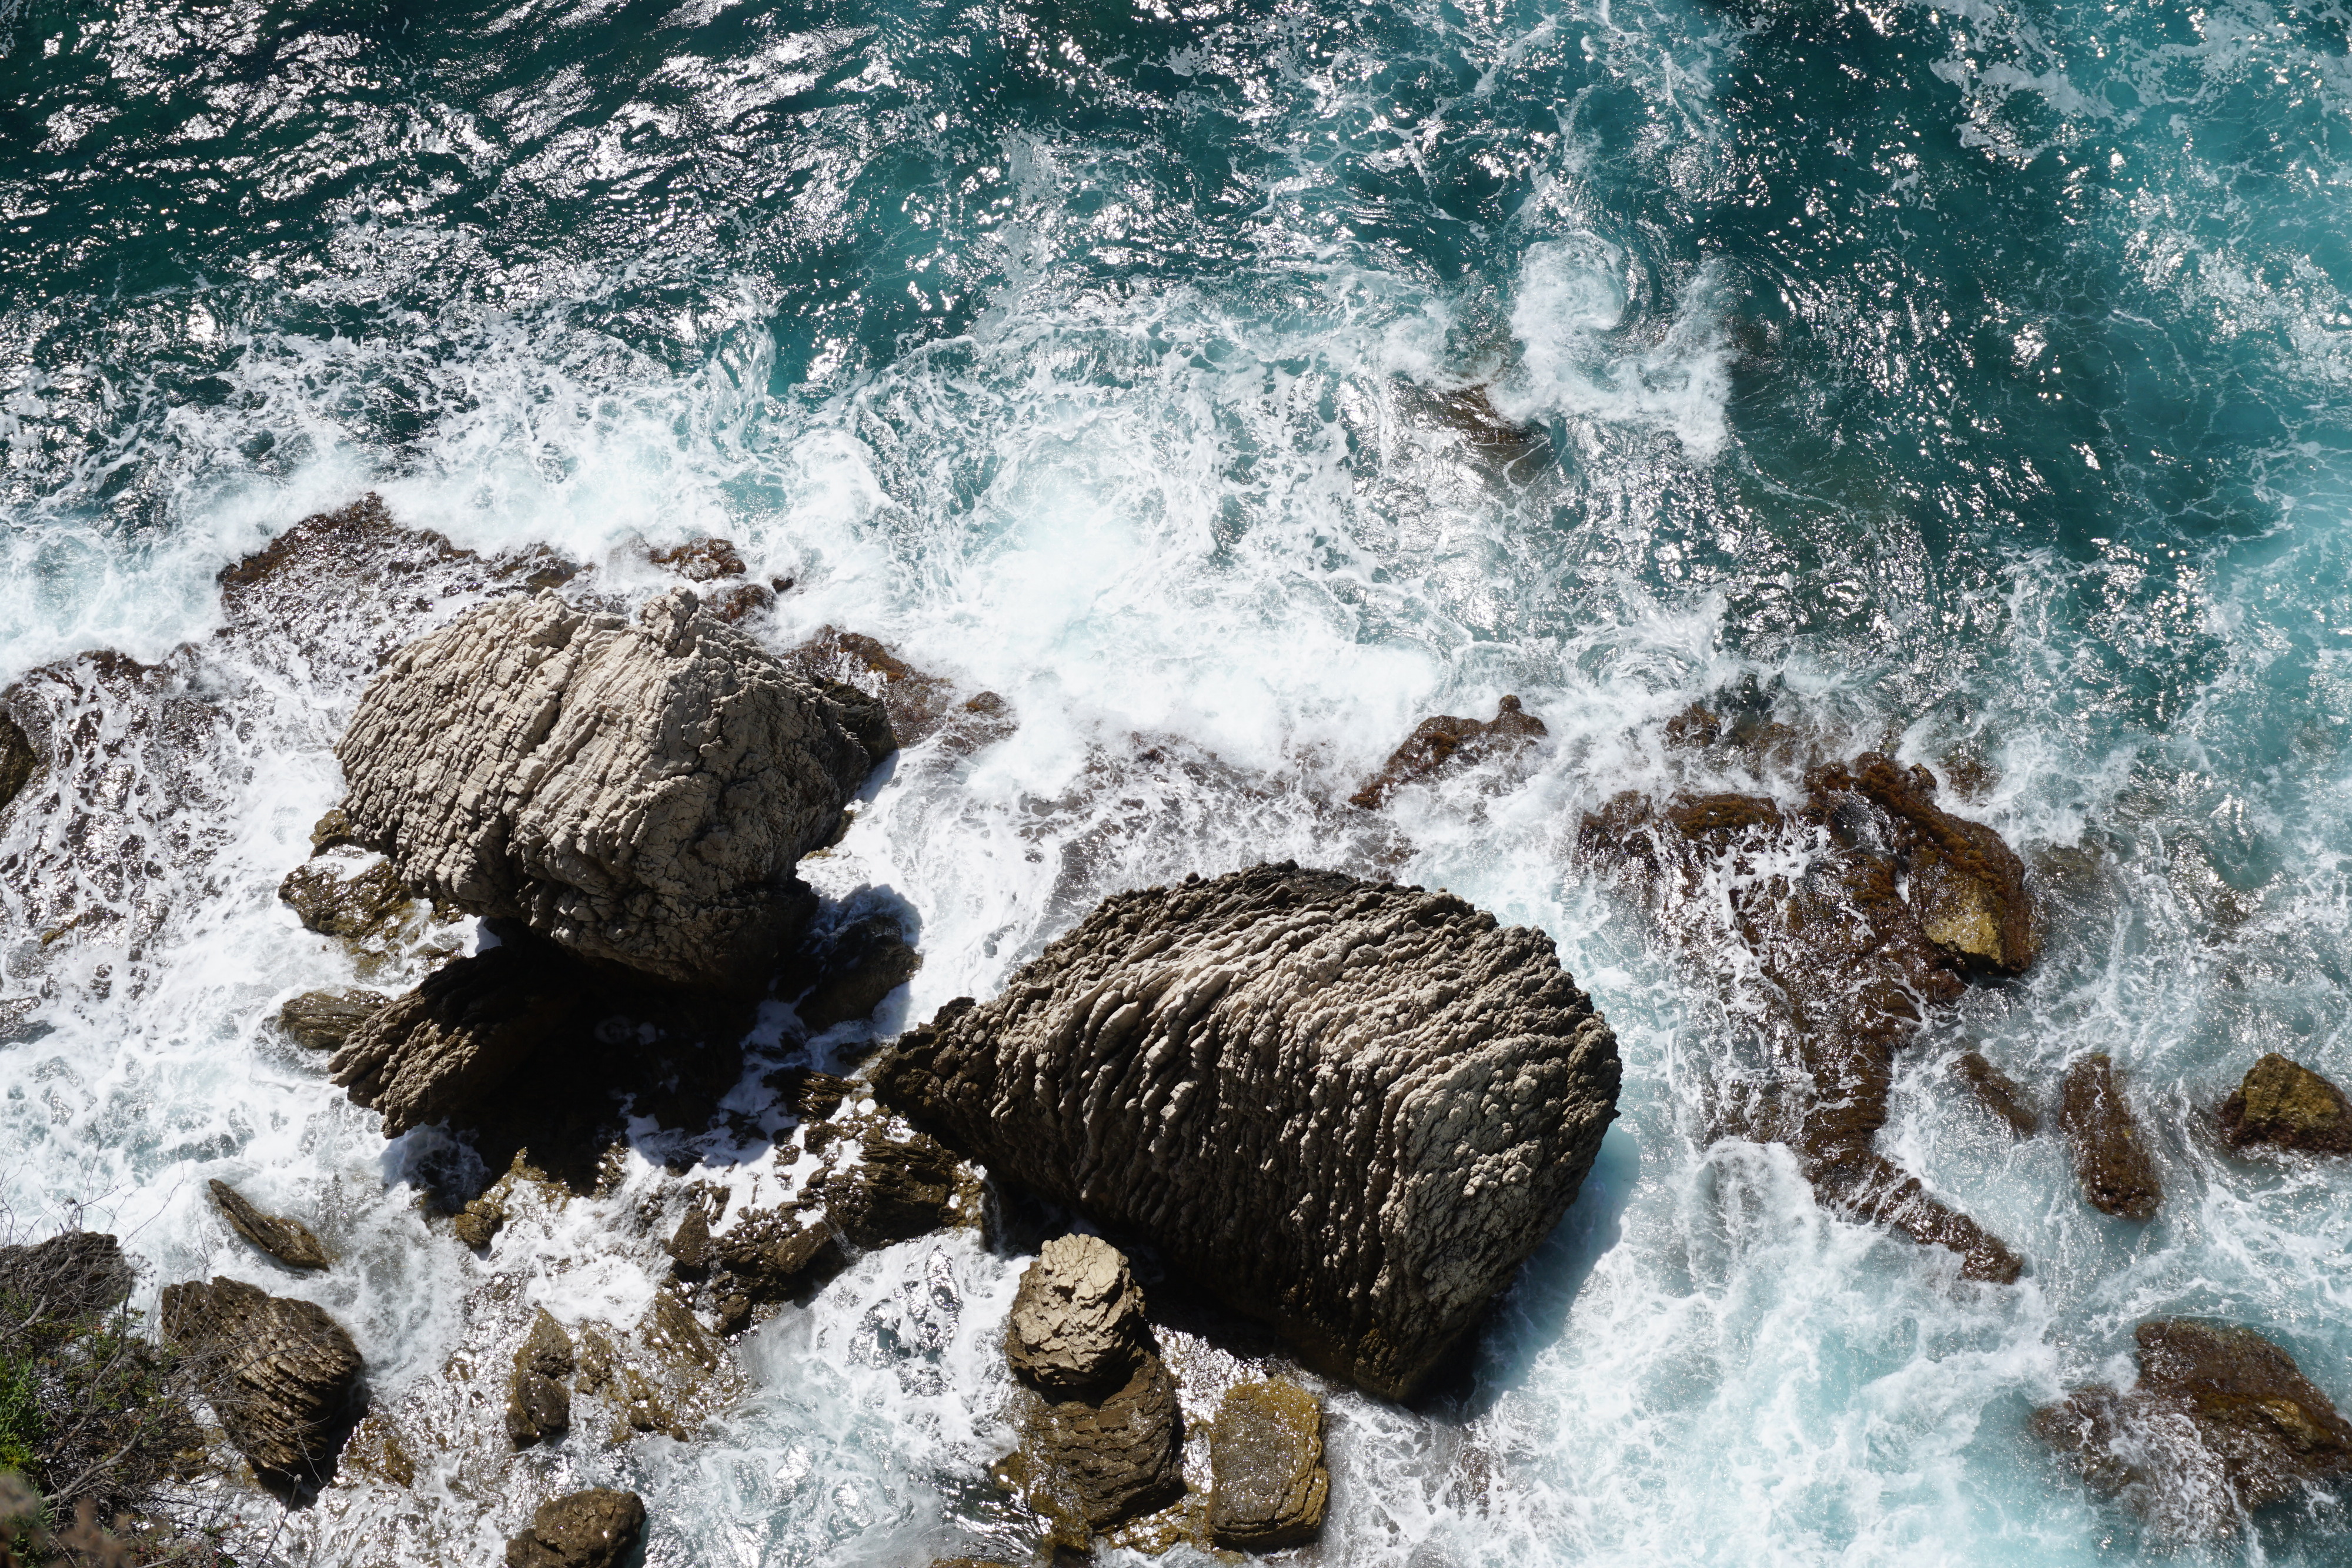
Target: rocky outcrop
(910,705)
(324,1020)
(279,1374)
(1445,743)
(2222,1422)
(714,560)
(1997,1092)
(594,1529)
(1350,1109)
(441,1048)
(1104,1442)
(637,793)
(356,902)
(2111,1155)
(2286,1105)
(1859,904)
(1268,1486)
(539,1404)
(287,1240)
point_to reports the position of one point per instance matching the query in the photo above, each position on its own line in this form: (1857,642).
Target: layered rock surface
(1268,1487)
(638,793)
(279,1374)
(1859,904)
(1350,1109)
(287,1240)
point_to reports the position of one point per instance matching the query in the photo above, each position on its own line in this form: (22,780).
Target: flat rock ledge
(640,794)
(279,1374)
(1350,1109)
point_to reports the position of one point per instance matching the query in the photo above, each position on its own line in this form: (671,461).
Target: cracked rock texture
(1077,1321)
(287,1240)
(279,1374)
(594,1529)
(638,793)
(1350,1109)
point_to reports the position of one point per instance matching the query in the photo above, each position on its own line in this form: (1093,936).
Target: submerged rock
(2287,1105)
(279,1374)
(639,794)
(594,1529)
(1265,1460)
(1349,1108)
(287,1240)
(1445,743)
(461,1034)
(1860,903)
(324,1020)
(2111,1155)
(1997,1092)
(2222,1421)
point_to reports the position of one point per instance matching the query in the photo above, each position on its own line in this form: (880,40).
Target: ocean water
(1970,379)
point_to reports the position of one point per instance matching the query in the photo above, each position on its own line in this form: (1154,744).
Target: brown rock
(2111,1155)
(1265,1456)
(333,831)
(690,1246)
(287,1240)
(362,906)
(1441,744)
(547,1350)
(1112,1459)
(594,1529)
(73,1274)
(914,706)
(478,1223)
(854,971)
(2222,1421)
(322,1020)
(1897,902)
(279,1374)
(766,1252)
(440,1048)
(18,761)
(2289,1106)
(538,1407)
(1077,1321)
(896,1190)
(1998,1093)
(704,560)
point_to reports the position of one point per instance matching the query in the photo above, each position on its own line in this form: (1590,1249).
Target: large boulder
(2287,1105)
(638,793)
(1350,1109)
(2222,1421)
(1077,1321)
(2110,1157)
(279,1374)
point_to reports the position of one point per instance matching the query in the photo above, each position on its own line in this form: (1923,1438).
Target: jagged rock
(478,1223)
(914,706)
(2111,1155)
(287,1240)
(1445,742)
(279,1374)
(639,794)
(73,1274)
(18,761)
(324,1020)
(1265,1460)
(895,1190)
(1077,1319)
(858,966)
(1997,1092)
(704,560)
(809,1094)
(1897,903)
(333,899)
(333,831)
(765,1252)
(594,1529)
(690,1246)
(2284,1104)
(2222,1421)
(439,1049)
(1349,1108)
(538,1404)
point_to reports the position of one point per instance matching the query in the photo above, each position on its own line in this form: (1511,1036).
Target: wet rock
(639,794)
(1896,904)
(440,1048)
(1077,1321)
(856,969)
(2110,1157)
(287,1240)
(1997,1092)
(324,1020)
(539,1405)
(279,1374)
(18,761)
(898,1188)
(766,1253)
(360,904)
(704,560)
(1266,1458)
(1445,744)
(594,1529)
(375,1449)
(73,1274)
(2222,1422)
(690,1246)
(1351,1109)
(2287,1105)
(547,1350)
(914,706)
(333,831)
(478,1223)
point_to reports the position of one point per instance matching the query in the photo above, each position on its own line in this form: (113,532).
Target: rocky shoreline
(1321,1104)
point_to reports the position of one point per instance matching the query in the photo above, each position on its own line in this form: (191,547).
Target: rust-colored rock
(2111,1155)
(1860,903)
(2222,1422)
(1997,1092)
(1268,1486)
(1445,743)
(2287,1105)
(279,1374)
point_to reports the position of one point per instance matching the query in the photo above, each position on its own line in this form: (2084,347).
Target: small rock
(1441,744)
(704,560)
(548,1349)
(766,1251)
(594,1529)
(287,1240)
(279,1374)
(356,906)
(1997,1092)
(1266,1458)
(1109,1459)
(1077,1321)
(2287,1105)
(322,1020)
(478,1223)
(334,831)
(18,761)
(690,1246)
(538,1406)
(2111,1154)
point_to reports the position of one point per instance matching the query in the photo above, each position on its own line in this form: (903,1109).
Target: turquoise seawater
(1972,379)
